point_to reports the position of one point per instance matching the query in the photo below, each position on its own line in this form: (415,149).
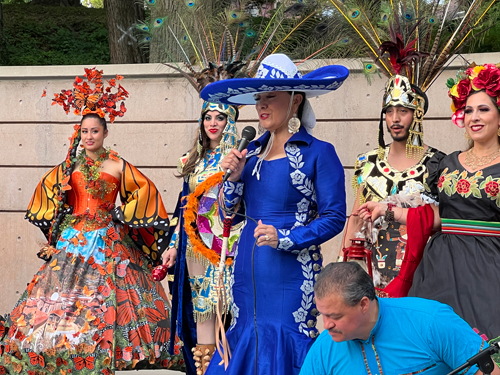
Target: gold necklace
(475,162)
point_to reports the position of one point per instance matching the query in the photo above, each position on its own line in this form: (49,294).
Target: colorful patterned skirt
(93,308)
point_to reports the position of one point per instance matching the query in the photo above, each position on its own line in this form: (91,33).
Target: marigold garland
(190,215)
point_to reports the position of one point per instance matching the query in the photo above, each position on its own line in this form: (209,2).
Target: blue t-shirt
(412,336)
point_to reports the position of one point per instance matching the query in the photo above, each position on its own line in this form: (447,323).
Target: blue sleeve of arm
(453,340)
(233,192)
(329,185)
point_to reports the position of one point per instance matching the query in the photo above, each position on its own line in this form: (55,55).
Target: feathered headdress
(216,41)
(409,41)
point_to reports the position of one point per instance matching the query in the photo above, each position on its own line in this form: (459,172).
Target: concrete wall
(159,126)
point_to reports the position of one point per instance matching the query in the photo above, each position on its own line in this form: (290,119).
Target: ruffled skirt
(92,308)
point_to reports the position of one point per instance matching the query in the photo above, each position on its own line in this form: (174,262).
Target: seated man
(367,335)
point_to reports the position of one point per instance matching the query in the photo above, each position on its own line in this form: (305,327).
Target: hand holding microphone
(234,162)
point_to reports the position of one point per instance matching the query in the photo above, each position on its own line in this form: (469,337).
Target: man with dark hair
(367,335)
(393,170)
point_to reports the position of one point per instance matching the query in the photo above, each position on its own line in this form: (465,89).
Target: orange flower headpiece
(476,78)
(100,100)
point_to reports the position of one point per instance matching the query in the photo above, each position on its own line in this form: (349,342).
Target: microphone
(247,136)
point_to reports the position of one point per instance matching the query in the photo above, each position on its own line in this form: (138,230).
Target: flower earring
(293,124)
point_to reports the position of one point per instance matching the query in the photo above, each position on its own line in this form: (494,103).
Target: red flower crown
(476,78)
(99,100)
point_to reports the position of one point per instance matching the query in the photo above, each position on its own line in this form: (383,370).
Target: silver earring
(199,144)
(293,124)
(261,129)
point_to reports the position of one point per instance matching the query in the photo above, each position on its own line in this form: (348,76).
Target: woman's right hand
(370,211)
(169,257)
(234,161)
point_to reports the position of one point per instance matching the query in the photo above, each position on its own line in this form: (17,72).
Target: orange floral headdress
(99,100)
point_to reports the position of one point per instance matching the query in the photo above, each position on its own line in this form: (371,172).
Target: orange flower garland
(190,214)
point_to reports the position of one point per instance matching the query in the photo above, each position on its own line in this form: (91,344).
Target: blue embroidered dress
(303,197)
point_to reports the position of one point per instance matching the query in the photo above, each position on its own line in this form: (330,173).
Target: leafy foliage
(93,3)
(40,35)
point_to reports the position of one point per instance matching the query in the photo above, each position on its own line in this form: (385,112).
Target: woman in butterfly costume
(93,307)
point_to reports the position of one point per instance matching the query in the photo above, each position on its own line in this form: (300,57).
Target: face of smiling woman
(214,123)
(93,134)
(482,118)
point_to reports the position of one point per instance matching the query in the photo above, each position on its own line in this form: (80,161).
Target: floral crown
(99,100)
(475,78)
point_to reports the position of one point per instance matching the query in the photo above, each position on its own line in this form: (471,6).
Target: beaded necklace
(91,171)
(475,162)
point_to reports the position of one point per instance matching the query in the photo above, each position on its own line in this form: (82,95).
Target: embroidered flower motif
(292,148)
(285,243)
(463,186)
(300,218)
(303,205)
(307,287)
(440,182)
(300,315)
(492,188)
(304,257)
(297,177)
(239,190)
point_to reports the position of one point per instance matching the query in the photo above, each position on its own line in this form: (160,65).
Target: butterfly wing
(43,203)
(33,358)
(89,362)
(143,210)
(78,361)
(121,268)
(79,100)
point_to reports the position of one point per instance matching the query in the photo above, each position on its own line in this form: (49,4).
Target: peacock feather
(224,38)
(419,36)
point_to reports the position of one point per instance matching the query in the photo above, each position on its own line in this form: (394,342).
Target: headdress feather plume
(216,40)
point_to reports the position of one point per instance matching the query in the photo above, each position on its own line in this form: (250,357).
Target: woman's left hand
(266,235)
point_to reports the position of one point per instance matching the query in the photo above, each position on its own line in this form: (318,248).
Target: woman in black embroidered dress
(461,262)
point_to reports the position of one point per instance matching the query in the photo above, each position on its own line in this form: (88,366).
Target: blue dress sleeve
(453,340)
(329,185)
(233,191)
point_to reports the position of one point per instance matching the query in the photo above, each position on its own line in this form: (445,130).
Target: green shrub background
(42,35)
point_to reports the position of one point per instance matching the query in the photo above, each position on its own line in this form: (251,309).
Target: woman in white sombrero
(293,185)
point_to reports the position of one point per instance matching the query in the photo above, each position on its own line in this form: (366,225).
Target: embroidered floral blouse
(462,194)
(316,172)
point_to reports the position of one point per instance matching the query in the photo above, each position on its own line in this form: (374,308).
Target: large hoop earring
(293,124)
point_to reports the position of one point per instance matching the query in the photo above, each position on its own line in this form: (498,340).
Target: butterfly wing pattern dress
(94,305)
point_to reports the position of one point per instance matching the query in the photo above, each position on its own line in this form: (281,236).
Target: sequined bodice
(83,202)
(205,168)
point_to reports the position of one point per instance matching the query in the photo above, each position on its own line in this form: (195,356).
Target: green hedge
(42,35)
